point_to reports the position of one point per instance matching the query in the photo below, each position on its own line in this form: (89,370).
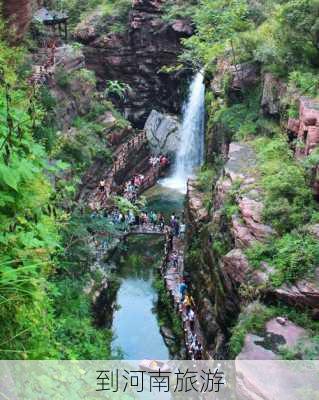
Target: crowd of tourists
(186,301)
(132,187)
(160,160)
(172,227)
(149,221)
(187,307)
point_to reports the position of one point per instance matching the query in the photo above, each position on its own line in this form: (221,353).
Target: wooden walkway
(98,200)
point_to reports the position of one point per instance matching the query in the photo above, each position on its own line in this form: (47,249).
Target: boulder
(241,233)
(182,27)
(69,59)
(303,294)
(244,76)
(108,120)
(235,264)
(266,345)
(251,211)
(250,374)
(241,158)
(87,29)
(162,132)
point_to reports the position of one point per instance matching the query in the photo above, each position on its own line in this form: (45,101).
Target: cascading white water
(191,151)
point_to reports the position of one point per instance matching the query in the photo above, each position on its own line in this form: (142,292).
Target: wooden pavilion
(56,20)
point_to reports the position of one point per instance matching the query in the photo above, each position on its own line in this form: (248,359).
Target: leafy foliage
(288,198)
(45,251)
(116,88)
(28,237)
(289,206)
(280,35)
(294,256)
(77,9)
(253,320)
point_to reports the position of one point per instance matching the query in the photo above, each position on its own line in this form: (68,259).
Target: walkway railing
(123,154)
(172,274)
(42,71)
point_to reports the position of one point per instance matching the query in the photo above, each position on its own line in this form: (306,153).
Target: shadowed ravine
(136,326)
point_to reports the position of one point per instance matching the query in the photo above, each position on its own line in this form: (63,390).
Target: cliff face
(136,58)
(217,240)
(221,266)
(18,15)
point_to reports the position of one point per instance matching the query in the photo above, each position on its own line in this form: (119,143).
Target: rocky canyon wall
(136,57)
(18,15)
(219,235)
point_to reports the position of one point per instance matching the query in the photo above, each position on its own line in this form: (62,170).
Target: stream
(136,325)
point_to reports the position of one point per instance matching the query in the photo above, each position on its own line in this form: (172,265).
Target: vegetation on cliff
(239,42)
(45,240)
(46,237)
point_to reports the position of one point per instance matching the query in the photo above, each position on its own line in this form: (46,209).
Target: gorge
(226,93)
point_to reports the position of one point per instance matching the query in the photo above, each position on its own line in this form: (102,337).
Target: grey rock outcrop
(162,132)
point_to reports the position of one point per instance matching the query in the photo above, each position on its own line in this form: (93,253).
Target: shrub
(294,256)
(252,320)
(288,198)
(85,75)
(62,78)
(205,179)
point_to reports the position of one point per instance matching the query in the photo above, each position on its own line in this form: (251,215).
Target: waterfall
(191,150)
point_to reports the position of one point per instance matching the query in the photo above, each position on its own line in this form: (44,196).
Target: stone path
(173,277)
(42,71)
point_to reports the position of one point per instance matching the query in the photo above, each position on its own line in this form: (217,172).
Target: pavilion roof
(50,16)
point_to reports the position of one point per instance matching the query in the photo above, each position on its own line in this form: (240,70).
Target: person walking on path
(176,227)
(153,219)
(188,300)
(182,230)
(191,319)
(161,221)
(182,289)
(174,259)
